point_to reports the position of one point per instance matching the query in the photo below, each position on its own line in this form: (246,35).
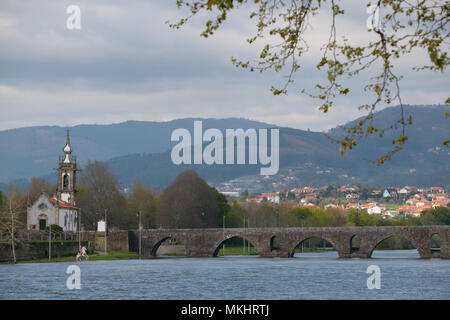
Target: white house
(374,210)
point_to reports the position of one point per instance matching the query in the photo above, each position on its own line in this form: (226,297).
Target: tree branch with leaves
(403,27)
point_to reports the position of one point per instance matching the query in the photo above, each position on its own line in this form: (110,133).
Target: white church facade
(61,208)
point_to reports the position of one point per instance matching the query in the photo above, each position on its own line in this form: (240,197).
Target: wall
(38,243)
(36,249)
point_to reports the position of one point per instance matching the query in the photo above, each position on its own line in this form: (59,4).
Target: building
(374,210)
(272,197)
(352,196)
(61,208)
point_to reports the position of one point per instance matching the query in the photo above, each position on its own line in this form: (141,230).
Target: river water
(306,276)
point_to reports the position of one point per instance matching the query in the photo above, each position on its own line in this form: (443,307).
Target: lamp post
(106,229)
(243,239)
(79,228)
(223,230)
(278,216)
(50,242)
(140,235)
(248,242)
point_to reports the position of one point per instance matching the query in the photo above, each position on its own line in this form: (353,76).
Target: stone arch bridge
(207,242)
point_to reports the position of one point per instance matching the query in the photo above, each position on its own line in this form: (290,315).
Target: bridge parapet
(207,242)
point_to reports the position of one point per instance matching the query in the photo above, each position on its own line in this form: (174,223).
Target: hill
(136,150)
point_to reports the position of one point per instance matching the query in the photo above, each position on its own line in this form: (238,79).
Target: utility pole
(278,216)
(106,228)
(248,242)
(50,242)
(243,239)
(223,230)
(79,228)
(140,235)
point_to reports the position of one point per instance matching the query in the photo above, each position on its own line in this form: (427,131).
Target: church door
(42,224)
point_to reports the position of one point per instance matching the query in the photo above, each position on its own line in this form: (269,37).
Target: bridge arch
(220,244)
(155,247)
(355,243)
(274,243)
(380,240)
(435,246)
(321,237)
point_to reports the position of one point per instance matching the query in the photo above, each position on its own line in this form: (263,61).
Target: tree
(291,196)
(55,229)
(362,218)
(403,28)
(289,219)
(11,216)
(438,215)
(260,215)
(222,202)
(236,215)
(99,191)
(141,200)
(39,186)
(243,195)
(337,217)
(188,203)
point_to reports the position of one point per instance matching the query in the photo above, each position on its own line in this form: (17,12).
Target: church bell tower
(67,169)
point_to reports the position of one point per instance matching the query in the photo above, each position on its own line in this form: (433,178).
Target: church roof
(61,204)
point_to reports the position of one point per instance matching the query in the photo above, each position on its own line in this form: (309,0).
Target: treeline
(189,202)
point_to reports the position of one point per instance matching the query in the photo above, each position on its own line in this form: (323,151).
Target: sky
(125,63)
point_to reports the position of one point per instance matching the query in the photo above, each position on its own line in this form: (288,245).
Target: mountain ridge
(140,150)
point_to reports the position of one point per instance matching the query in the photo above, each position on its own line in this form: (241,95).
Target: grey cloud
(126,63)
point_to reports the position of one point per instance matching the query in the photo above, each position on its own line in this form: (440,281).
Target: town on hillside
(386,202)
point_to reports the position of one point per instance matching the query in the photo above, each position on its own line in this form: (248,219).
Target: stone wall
(37,249)
(168,249)
(117,241)
(93,240)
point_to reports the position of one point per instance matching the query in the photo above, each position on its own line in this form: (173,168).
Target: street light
(223,231)
(106,229)
(50,242)
(79,228)
(278,216)
(140,235)
(243,239)
(248,242)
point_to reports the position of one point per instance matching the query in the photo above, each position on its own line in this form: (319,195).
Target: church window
(65,181)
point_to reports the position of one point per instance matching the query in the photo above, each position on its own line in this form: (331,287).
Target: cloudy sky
(127,64)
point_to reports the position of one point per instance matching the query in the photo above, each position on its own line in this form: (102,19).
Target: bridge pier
(275,254)
(444,236)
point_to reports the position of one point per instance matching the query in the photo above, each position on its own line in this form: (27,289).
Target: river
(306,276)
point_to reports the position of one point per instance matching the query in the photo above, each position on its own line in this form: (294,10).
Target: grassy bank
(237,251)
(96,256)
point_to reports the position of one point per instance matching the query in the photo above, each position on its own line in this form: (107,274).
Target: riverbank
(96,256)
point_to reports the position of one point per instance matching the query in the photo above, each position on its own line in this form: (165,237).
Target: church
(61,208)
